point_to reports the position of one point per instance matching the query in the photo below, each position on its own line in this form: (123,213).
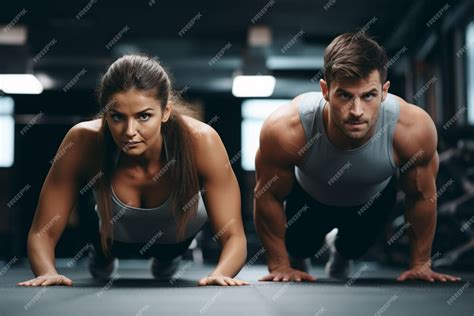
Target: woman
(172,170)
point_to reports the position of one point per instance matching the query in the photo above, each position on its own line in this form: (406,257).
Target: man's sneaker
(337,266)
(164,270)
(102,268)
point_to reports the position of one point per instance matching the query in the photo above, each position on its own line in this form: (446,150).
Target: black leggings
(308,222)
(142,250)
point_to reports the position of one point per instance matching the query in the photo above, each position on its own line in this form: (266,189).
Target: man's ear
(385,88)
(324,89)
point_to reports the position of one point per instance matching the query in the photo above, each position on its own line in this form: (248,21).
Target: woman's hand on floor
(221,280)
(47,280)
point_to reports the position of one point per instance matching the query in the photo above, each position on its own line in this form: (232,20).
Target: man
(328,160)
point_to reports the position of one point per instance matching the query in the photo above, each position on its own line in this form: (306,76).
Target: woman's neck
(150,159)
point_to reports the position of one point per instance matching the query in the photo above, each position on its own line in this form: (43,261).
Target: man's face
(354,104)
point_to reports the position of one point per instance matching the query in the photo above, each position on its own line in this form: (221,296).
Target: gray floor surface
(371,290)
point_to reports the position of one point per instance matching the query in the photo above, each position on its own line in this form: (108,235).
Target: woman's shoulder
(195,125)
(85,135)
(211,155)
(87,132)
(89,128)
(203,134)
(77,157)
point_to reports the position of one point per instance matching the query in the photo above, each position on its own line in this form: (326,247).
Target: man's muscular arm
(418,181)
(281,138)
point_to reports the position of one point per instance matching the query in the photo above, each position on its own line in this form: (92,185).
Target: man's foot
(337,266)
(102,268)
(164,270)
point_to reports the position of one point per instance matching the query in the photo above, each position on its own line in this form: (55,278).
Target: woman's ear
(166,113)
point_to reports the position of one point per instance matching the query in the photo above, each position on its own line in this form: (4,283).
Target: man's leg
(308,222)
(362,225)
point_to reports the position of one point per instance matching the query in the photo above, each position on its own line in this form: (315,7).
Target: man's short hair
(354,56)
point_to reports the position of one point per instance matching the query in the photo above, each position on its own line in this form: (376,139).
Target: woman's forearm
(232,258)
(41,254)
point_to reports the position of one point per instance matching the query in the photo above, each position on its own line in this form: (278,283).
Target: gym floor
(66,47)
(133,291)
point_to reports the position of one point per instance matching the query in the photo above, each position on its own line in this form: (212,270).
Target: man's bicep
(273,177)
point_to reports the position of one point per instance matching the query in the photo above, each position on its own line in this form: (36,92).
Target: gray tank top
(150,225)
(338,177)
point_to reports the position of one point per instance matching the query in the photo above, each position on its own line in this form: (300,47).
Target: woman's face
(134,118)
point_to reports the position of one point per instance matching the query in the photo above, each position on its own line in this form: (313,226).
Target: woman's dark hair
(146,74)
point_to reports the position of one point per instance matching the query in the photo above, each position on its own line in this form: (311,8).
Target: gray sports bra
(143,225)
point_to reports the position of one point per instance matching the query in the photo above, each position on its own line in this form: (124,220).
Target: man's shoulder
(415,133)
(288,115)
(282,132)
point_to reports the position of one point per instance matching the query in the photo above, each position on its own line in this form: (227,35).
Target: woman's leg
(166,258)
(101,265)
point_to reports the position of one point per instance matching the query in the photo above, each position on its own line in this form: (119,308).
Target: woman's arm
(56,200)
(222,199)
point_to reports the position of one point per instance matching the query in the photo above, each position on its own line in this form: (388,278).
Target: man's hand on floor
(426,274)
(286,274)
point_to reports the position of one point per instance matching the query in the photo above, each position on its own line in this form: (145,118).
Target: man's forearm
(421,215)
(270,224)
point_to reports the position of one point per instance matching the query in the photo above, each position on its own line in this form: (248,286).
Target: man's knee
(352,250)
(301,249)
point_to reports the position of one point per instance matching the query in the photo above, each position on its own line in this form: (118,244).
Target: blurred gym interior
(64,47)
